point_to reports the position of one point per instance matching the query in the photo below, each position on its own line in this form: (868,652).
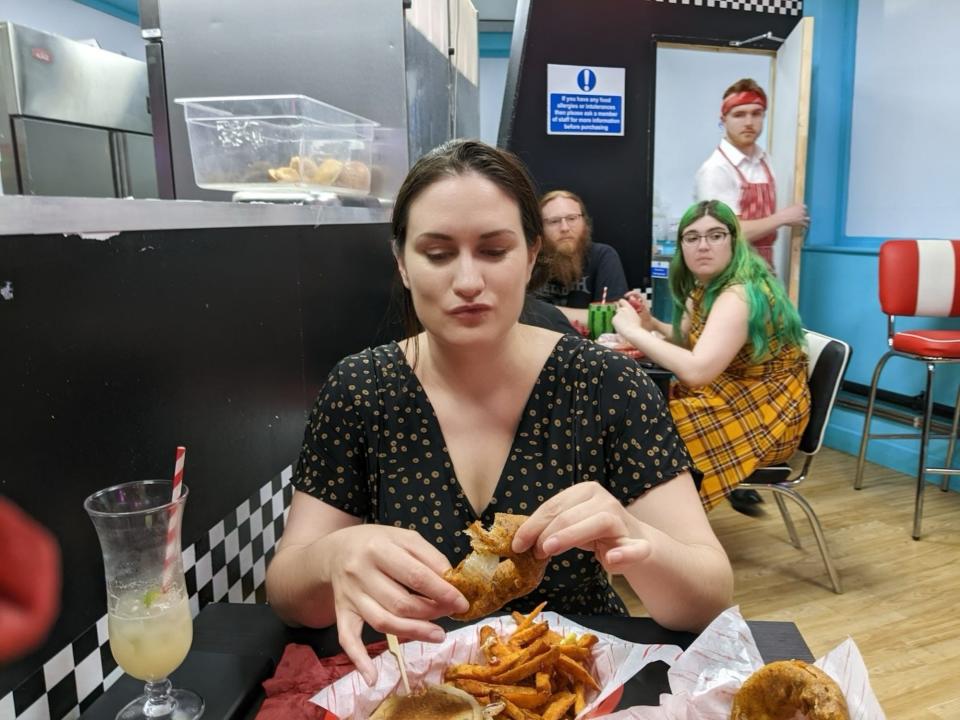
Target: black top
(543,314)
(602,269)
(373,448)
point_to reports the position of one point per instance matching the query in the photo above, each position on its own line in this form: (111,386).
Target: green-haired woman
(740,399)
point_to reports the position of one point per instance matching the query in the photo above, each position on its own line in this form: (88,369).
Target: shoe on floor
(747,502)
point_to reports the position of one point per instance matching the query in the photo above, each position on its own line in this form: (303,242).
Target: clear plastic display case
(268,144)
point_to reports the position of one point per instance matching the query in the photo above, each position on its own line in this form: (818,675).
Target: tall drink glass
(148,616)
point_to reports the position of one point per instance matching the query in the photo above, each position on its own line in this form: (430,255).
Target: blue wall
(495,44)
(838,286)
(123,9)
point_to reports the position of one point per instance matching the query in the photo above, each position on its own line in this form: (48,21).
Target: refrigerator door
(62,159)
(141,169)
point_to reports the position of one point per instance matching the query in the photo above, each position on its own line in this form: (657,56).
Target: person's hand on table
(390,578)
(588,517)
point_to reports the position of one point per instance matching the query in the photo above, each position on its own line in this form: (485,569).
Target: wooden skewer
(394,644)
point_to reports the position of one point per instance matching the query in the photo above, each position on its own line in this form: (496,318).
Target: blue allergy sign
(585,100)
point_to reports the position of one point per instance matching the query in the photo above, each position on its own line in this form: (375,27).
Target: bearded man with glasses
(572,270)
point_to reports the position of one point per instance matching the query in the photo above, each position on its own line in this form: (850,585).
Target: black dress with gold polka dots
(373,448)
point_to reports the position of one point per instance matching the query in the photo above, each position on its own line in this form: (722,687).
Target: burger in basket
(435,702)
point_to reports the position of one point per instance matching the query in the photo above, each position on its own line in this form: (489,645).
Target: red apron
(758,200)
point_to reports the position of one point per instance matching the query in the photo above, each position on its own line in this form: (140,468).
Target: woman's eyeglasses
(714,237)
(555,221)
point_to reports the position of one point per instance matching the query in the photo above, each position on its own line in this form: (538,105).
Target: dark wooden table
(660,376)
(236,647)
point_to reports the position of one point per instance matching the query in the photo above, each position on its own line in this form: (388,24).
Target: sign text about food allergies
(595,114)
(584,100)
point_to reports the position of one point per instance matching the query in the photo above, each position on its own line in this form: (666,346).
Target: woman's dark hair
(454,158)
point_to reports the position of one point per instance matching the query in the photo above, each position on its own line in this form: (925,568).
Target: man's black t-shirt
(602,269)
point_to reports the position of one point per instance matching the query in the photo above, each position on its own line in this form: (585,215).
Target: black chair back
(827,360)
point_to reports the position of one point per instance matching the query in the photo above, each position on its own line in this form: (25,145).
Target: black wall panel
(115,351)
(612,174)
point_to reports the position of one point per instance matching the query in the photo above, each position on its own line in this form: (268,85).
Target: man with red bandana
(738,172)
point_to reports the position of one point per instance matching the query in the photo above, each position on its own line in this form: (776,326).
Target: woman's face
(465,260)
(711,252)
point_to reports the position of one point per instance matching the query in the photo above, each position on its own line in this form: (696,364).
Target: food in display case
(270,143)
(329,172)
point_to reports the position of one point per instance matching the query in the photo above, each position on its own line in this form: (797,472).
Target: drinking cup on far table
(600,318)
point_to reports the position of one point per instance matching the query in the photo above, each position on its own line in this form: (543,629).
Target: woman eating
(736,347)
(475,414)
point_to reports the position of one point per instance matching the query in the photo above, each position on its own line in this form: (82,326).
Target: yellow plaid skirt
(752,415)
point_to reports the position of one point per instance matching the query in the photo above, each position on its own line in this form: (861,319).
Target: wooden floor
(901,599)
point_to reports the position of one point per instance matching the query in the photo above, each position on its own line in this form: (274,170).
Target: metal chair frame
(777,480)
(924,435)
(914,275)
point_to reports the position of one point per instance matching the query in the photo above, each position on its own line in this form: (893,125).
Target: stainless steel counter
(34,215)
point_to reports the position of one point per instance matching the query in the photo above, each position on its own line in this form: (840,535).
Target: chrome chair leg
(871,401)
(924,437)
(817,532)
(787,521)
(945,482)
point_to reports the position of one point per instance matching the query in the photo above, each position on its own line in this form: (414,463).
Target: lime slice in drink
(151,596)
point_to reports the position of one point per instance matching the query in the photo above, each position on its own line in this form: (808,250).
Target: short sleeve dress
(373,448)
(752,415)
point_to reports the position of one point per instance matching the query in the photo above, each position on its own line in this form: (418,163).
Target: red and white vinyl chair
(919,278)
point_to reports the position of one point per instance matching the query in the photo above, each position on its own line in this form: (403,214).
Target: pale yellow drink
(150,632)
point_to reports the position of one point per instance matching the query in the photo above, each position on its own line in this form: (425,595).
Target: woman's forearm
(665,329)
(699,574)
(678,360)
(299,597)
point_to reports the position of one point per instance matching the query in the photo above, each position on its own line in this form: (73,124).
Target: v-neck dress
(373,448)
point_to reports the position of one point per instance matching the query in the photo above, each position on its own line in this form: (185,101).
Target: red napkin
(29,581)
(300,676)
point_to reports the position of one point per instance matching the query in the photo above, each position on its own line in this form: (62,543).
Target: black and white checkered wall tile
(228,563)
(778,7)
(646,292)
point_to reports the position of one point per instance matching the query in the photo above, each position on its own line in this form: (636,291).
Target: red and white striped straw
(604,298)
(173,525)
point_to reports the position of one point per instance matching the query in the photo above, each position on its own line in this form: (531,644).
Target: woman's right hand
(639,303)
(390,578)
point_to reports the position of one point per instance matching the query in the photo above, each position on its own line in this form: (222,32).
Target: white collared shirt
(717,180)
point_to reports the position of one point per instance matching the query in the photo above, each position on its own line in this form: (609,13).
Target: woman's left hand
(588,517)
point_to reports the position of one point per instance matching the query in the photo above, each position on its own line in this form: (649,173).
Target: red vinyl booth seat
(928,343)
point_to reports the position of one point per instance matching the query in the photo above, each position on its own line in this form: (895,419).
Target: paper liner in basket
(615,662)
(708,674)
